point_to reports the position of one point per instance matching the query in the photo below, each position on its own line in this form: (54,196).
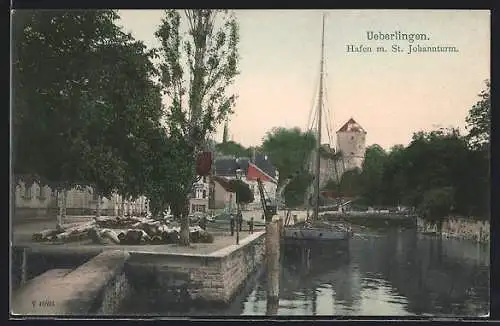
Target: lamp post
(239,174)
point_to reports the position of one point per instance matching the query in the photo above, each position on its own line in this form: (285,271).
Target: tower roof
(351,126)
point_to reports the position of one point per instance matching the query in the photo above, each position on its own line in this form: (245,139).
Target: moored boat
(315,228)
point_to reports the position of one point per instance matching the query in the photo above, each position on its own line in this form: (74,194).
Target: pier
(82,278)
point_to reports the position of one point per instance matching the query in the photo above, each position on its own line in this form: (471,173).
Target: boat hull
(314,234)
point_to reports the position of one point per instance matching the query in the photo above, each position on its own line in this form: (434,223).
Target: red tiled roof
(351,125)
(254,173)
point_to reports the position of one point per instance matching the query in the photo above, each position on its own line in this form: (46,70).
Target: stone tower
(351,140)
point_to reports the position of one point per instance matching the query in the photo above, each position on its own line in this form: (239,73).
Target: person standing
(231,224)
(240,221)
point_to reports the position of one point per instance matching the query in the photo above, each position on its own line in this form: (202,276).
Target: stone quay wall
(180,278)
(102,285)
(459,228)
(99,286)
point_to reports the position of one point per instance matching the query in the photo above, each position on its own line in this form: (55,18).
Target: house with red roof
(226,169)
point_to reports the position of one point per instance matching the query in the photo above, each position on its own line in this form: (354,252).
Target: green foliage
(437,203)
(331,185)
(52,76)
(289,150)
(439,159)
(233,149)
(372,173)
(198,95)
(479,121)
(438,170)
(295,191)
(350,183)
(83,100)
(244,195)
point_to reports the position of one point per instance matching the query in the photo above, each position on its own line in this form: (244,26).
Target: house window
(204,194)
(27,192)
(198,208)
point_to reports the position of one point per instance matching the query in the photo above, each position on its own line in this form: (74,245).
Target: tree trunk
(65,202)
(122,207)
(116,209)
(184,234)
(60,203)
(98,207)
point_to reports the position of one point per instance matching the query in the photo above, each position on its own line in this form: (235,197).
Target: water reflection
(392,272)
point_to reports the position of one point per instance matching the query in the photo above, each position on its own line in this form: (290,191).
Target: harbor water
(387,272)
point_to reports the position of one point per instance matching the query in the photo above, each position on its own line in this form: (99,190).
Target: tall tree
(83,98)
(371,175)
(195,72)
(478,121)
(289,150)
(295,192)
(479,126)
(232,148)
(53,74)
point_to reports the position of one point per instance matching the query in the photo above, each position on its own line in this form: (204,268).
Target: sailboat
(314,228)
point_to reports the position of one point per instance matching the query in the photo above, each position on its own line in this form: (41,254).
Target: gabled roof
(224,183)
(254,173)
(228,166)
(351,126)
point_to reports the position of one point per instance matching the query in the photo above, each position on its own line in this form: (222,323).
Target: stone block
(80,291)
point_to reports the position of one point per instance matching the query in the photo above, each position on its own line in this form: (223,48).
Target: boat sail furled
(314,228)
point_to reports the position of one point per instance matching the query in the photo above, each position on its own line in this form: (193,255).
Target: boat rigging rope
(312,112)
(329,116)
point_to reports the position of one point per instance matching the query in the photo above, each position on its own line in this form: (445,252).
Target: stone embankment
(102,285)
(97,287)
(214,278)
(459,228)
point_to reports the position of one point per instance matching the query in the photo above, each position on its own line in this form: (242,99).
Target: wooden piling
(272,307)
(280,226)
(272,260)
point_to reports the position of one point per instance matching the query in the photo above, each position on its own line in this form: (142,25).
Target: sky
(391,95)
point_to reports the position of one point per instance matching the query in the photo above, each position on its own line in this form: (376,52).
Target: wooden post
(280,226)
(273,266)
(272,307)
(60,203)
(98,207)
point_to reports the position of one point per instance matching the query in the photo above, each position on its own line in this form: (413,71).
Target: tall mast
(318,141)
